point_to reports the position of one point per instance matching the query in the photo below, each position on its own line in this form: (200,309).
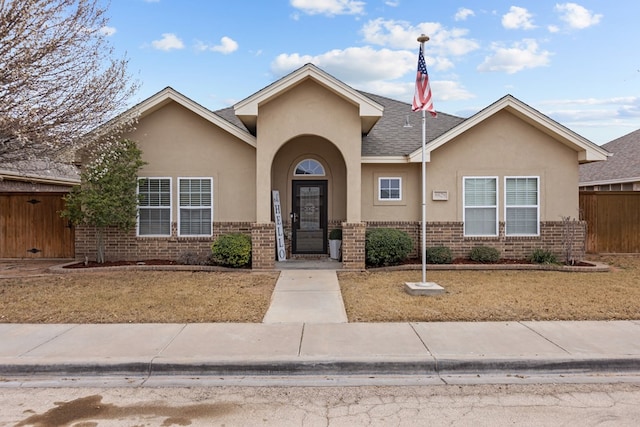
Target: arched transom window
(309,167)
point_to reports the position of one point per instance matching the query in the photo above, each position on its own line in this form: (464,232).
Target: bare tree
(59,77)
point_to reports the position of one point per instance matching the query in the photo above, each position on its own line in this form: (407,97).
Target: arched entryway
(310,174)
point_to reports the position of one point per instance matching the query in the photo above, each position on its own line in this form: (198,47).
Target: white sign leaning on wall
(277,213)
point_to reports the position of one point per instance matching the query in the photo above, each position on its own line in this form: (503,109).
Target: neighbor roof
(622,166)
(44,171)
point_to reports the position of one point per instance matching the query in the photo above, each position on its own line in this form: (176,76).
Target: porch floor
(323,263)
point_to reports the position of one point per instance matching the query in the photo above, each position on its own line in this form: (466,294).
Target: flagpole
(423,39)
(422,101)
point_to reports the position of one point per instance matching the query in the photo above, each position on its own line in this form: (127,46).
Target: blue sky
(577,62)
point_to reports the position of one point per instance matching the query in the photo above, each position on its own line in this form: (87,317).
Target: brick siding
(125,245)
(450,234)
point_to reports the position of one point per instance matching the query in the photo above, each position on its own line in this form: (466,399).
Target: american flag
(422,99)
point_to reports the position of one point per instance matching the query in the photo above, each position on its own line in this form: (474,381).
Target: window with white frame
(480,199)
(154,207)
(195,206)
(522,206)
(389,188)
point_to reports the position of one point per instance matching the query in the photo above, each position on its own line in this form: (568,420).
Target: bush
(439,255)
(386,246)
(542,256)
(484,254)
(335,234)
(232,250)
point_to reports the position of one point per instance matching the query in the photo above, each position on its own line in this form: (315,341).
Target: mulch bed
(93,264)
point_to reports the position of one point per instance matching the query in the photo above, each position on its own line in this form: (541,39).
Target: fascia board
(610,181)
(12,176)
(385,159)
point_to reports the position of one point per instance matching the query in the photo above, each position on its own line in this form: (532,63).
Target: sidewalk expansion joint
(545,338)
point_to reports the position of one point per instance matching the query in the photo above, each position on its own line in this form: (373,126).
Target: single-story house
(342,158)
(31,197)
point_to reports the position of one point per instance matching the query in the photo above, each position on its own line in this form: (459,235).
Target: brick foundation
(125,245)
(450,234)
(263,242)
(353,239)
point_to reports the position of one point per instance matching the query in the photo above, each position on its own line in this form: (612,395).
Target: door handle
(294,217)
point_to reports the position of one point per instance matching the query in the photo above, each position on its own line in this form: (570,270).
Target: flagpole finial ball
(423,38)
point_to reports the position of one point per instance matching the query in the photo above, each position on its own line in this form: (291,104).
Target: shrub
(439,255)
(386,246)
(232,250)
(335,234)
(484,254)
(542,256)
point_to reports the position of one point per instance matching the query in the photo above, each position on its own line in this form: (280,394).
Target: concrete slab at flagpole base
(420,288)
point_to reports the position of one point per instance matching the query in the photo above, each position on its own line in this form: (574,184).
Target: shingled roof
(390,136)
(622,166)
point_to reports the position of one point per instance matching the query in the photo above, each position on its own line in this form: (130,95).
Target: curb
(442,367)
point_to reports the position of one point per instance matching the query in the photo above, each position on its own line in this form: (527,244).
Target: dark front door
(309,217)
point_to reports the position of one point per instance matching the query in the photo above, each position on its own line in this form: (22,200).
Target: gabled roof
(587,151)
(623,165)
(169,94)
(247,109)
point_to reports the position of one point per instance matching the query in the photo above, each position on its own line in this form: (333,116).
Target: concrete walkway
(306,296)
(245,349)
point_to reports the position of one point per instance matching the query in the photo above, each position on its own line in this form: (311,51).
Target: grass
(137,297)
(192,297)
(497,295)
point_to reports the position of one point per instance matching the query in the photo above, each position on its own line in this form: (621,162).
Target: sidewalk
(305,332)
(320,349)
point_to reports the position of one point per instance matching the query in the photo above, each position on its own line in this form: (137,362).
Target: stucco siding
(310,109)
(177,143)
(407,209)
(504,146)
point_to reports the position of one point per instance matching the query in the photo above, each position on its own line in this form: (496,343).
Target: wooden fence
(31,227)
(613,221)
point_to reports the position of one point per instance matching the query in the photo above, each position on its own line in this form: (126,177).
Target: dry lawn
(136,297)
(191,297)
(497,295)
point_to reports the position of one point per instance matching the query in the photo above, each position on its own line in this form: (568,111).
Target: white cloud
(108,31)
(595,115)
(518,18)
(392,3)
(576,16)
(352,65)
(385,72)
(169,41)
(403,35)
(227,45)
(553,28)
(329,7)
(463,13)
(520,56)
(449,90)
